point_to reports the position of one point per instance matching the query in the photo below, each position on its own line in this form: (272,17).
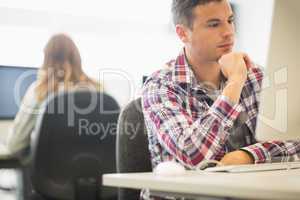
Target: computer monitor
(14,82)
(279,117)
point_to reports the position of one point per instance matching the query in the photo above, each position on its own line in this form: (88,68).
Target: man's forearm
(233,90)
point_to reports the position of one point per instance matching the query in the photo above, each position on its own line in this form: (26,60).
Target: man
(204,104)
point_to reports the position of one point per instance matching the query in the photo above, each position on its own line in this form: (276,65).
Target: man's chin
(219,56)
(224,52)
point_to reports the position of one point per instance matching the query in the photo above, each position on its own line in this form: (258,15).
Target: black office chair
(132,145)
(74,146)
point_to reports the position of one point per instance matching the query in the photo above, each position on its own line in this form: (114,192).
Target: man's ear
(182,32)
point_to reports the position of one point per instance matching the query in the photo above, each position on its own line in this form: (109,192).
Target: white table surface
(282,184)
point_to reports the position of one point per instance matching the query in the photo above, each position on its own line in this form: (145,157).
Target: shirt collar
(183,73)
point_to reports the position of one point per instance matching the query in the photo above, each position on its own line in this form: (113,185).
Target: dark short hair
(182,10)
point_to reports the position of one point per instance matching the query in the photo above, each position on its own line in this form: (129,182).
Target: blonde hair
(61,66)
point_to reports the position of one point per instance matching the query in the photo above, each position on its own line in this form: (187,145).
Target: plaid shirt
(183,126)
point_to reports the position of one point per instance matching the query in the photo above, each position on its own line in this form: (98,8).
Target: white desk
(281,185)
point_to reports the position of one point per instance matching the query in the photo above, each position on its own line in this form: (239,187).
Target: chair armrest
(16,160)
(19,159)
(8,163)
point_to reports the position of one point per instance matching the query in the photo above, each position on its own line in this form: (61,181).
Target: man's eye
(215,24)
(231,21)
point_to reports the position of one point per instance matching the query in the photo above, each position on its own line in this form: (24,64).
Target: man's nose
(228,30)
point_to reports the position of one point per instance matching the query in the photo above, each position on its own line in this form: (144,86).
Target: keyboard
(255,167)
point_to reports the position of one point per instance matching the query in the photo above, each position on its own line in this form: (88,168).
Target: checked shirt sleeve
(275,151)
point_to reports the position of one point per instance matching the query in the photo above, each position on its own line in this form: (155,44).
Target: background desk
(283,185)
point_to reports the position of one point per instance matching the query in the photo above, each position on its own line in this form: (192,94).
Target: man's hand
(234,66)
(237,158)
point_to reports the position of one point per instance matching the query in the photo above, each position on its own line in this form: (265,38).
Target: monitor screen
(14,82)
(279,117)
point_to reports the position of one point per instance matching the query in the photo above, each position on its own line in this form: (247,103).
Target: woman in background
(61,70)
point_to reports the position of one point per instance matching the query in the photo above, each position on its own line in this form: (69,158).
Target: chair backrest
(74,144)
(132,145)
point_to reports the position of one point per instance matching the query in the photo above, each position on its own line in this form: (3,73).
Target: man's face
(212,34)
